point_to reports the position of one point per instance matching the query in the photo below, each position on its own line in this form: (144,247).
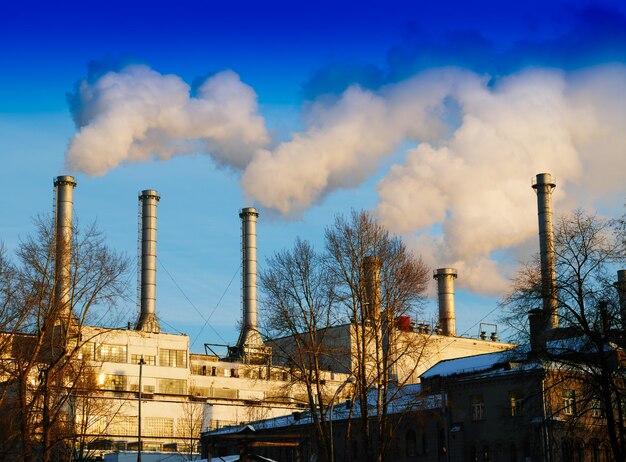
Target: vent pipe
(147,321)
(64,186)
(249,335)
(620,285)
(371,267)
(445,289)
(544,186)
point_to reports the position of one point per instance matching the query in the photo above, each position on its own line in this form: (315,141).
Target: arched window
(441,441)
(566,450)
(410,443)
(485,454)
(580,452)
(595,451)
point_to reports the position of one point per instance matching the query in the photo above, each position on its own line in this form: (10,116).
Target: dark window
(442,441)
(566,450)
(478,408)
(486,457)
(410,443)
(354,450)
(595,451)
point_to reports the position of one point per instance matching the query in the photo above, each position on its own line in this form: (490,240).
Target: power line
(206,321)
(215,308)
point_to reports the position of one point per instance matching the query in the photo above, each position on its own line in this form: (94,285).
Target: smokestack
(249,335)
(620,285)
(64,186)
(544,186)
(371,267)
(445,289)
(537,321)
(147,321)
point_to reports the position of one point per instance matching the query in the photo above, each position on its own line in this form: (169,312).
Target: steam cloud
(460,195)
(137,113)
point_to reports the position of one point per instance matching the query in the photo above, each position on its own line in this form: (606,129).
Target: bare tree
(588,251)
(379,280)
(46,336)
(189,425)
(298,297)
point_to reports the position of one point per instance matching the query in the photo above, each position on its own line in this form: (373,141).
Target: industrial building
(153,393)
(534,402)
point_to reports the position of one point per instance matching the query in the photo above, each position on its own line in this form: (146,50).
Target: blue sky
(427,114)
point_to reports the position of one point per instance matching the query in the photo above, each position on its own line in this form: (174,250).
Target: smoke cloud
(465,191)
(136,114)
(461,195)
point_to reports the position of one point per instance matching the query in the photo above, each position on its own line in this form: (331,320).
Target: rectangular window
(478,408)
(516,405)
(113,382)
(596,408)
(158,426)
(172,386)
(86,350)
(172,358)
(123,426)
(111,353)
(569,402)
(148,360)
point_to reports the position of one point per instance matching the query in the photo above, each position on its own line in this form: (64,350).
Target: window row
(567,404)
(118,382)
(118,354)
(516,406)
(151,426)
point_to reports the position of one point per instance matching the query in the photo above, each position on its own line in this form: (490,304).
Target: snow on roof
(401,399)
(467,364)
(519,354)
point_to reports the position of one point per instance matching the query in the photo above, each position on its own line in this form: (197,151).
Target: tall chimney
(620,285)
(544,186)
(147,321)
(371,268)
(445,289)
(64,186)
(249,334)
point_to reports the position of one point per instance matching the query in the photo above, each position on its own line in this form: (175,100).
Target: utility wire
(470,328)
(215,308)
(171,327)
(191,303)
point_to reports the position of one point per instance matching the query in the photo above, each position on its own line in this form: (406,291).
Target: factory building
(425,343)
(181,393)
(151,390)
(543,401)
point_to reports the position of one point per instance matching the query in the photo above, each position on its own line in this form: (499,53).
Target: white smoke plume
(137,113)
(476,184)
(461,195)
(465,191)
